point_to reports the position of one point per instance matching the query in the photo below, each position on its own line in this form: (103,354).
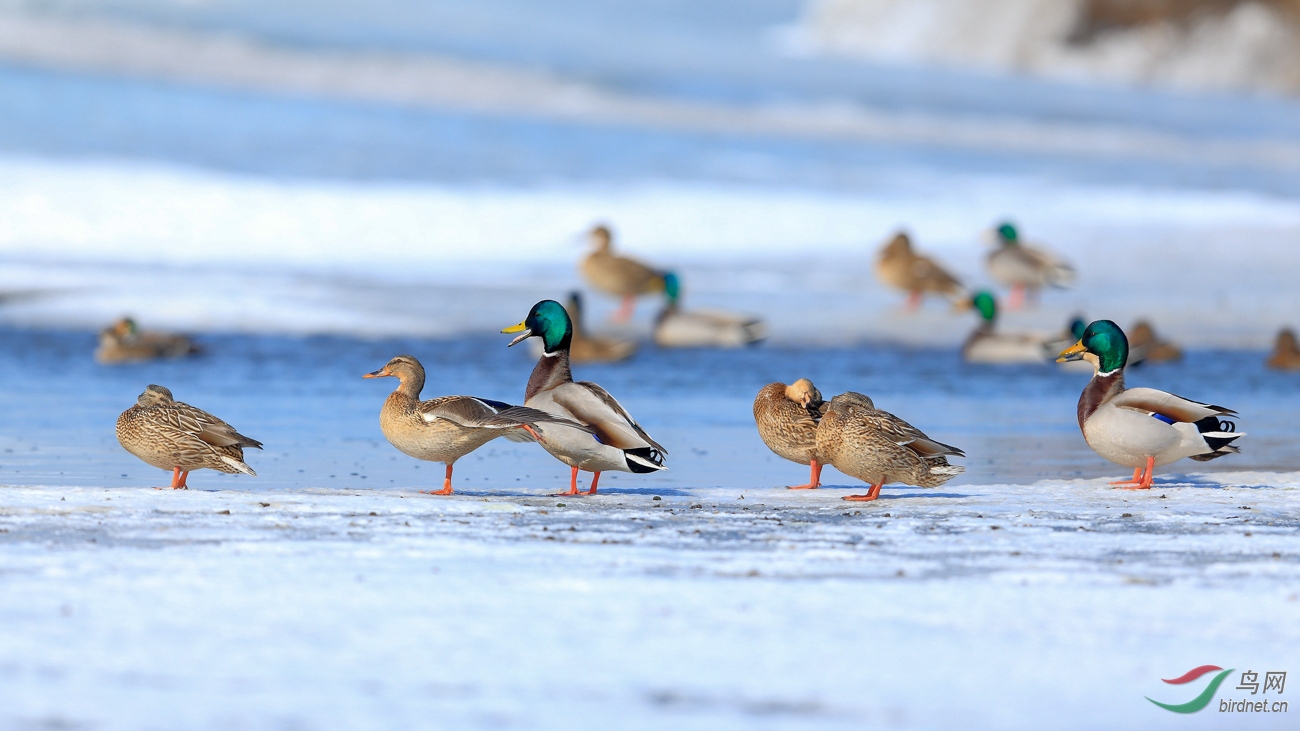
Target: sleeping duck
(125,342)
(1144,346)
(1141,428)
(678,328)
(1024,269)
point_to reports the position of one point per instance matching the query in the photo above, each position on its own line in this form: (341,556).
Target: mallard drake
(124,342)
(900,267)
(678,328)
(1286,354)
(877,447)
(986,345)
(1141,428)
(447,428)
(1024,269)
(172,435)
(1144,346)
(787,418)
(619,443)
(619,276)
(593,348)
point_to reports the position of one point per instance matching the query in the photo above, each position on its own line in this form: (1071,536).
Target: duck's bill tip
(376,374)
(1074,352)
(522,329)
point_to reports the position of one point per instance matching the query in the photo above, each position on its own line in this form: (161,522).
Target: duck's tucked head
(986,304)
(549,321)
(154,395)
(672,288)
(803,392)
(1007,234)
(850,401)
(403,368)
(1103,345)
(600,238)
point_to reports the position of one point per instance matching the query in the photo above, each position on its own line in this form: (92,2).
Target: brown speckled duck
(124,342)
(1145,346)
(619,276)
(447,428)
(1286,353)
(172,435)
(787,418)
(587,348)
(899,266)
(878,447)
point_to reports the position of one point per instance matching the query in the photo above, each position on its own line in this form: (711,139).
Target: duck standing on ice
(620,276)
(619,443)
(172,435)
(1141,428)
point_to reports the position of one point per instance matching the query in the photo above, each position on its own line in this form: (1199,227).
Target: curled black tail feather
(644,459)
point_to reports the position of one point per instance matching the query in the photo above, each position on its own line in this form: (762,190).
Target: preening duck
(986,345)
(1141,428)
(618,442)
(447,428)
(787,419)
(620,276)
(877,447)
(1024,269)
(900,267)
(172,435)
(679,328)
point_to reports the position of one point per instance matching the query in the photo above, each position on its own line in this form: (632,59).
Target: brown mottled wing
(485,414)
(202,425)
(565,397)
(932,276)
(906,435)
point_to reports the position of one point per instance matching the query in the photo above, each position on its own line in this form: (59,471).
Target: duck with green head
(1024,269)
(986,345)
(1141,428)
(679,328)
(619,443)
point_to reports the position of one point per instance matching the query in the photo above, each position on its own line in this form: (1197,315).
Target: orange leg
(1017,298)
(446,485)
(814,478)
(625,310)
(573,483)
(595,477)
(1137,478)
(185,475)
(914,300)
(1145,484)
(176,478)
(530,430)
(872,494)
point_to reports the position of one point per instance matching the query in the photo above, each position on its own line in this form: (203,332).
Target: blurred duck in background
(1067,337)
(1141,428)
(787,419)
(172,435)
(1286,353)
(124,342)
(877,447)
(1022,268)
(587,348)
(619,276)
(678,328)
(900,267)
(986,345)
(1144,346)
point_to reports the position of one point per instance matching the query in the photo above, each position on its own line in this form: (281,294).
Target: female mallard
(678,328)
(1024,269)
(878,447)
(900,267)
(1144,346)
(618,275)
(986,345)
(447,428)
(787,418)
(593,348)
(1286,354)
(1141,428)
(619,443)
(172,435)
(124,342)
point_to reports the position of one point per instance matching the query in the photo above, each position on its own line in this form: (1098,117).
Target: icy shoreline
(322,608)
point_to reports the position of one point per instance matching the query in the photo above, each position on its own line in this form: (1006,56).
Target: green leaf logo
(1206,695)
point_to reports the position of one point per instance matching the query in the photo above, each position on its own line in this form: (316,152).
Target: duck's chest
(1127,437)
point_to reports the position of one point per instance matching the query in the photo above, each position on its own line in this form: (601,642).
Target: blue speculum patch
(1163,418)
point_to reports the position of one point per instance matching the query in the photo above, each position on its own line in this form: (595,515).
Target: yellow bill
(520,328)
(1074,352)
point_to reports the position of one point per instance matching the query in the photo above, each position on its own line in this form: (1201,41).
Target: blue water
(305,398)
